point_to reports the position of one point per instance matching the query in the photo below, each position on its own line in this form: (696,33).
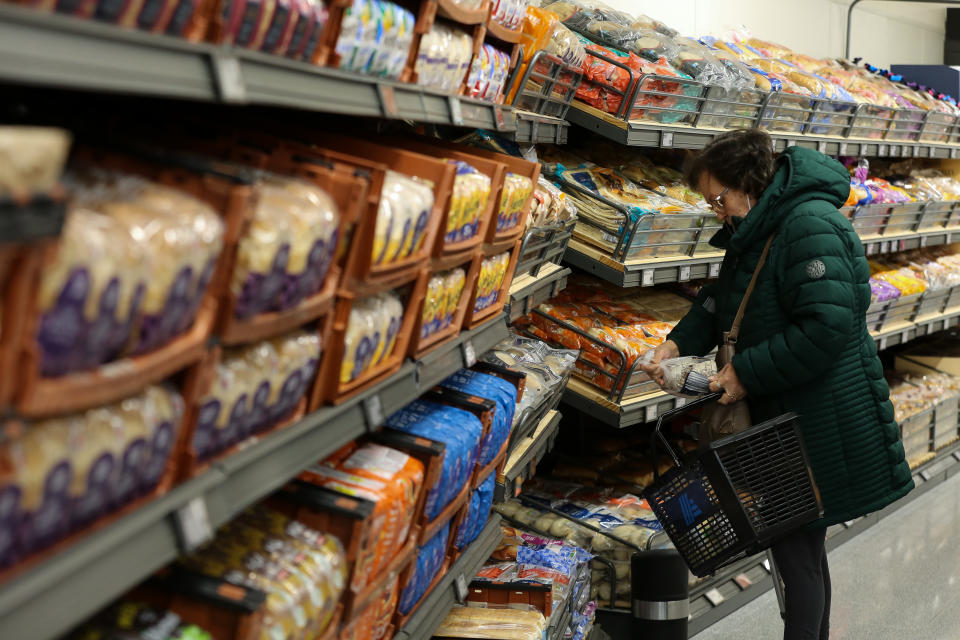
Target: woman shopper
(803,345)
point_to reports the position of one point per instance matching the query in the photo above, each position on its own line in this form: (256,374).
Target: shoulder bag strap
(731,336)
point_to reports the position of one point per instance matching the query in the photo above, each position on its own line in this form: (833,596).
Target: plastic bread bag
(224,412)
(390,317)
(139,621)
(453,284)
(402,476)
(689,376)
(361,340)
(516,191)
(90,295)
(488,622)
(31,158)
(405,206)
(646,22)
(314,233)
(183,238)
(492,273)
(163,410)
(459,430)
(471,191)
(502,392)
(480,71)
(358,24)
(267,377)
(429,560)
(299,354)
(578,14)
(566,46)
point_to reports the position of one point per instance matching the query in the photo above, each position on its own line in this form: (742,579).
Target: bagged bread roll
(513,197)
(91,294)
(492,272)
(488,622)
(405,205)
(360,341)
(389,317)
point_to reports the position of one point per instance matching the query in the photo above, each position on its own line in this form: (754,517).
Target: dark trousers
(802,560)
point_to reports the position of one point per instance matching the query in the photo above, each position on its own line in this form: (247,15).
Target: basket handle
(658,430)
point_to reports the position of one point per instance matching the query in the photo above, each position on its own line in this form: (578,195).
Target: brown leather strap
(731,336)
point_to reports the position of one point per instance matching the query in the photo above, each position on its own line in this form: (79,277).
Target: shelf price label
(666,139)
(715,270)
(894,150)
(373,412)
(924,240)
(469,354)
(651,413)
(905,336)
(822,146)
(715,597)
(229,78)
(883,150)
(460,585)
(193,524)
(872,248)
(534,130)
(388,101)
(684,274)
(456,111)
(885,247)
(883,343)
(647,278)
(954,153)
(843,149)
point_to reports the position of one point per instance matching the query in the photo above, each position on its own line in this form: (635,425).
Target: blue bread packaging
(429,561)
(500,391)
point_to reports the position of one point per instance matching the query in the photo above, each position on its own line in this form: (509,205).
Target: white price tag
(905,336)
(666,139)
(954,153)
(885,247)
(373,412)
(388,101)
(469,354)
(193,522)
(461,587)
(883,343)
(822,146)
(924,240)
(894,150)
(715,597)
(872,248)
(791,143)
(684,274)
(647,278)
(843,149)
(456,112)
(226,70)
(681,402)
(715,270)
(766,565)
(883,150)
(651,413)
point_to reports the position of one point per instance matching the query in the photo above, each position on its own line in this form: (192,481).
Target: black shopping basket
(735,496)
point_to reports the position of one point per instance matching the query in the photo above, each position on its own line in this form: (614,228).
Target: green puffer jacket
(804,344)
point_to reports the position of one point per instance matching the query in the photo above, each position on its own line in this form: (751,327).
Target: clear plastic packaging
(514,623)
(255,387)
(688,377)
(508,13)
(516,191)
(405,207)
(471,191)
(492,272)
(444,58)
(444,291)
(375,38)
(371,333)
(68,471)
(488,74)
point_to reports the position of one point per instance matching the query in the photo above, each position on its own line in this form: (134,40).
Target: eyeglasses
(717,204)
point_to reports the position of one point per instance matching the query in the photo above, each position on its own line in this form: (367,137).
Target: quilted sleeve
(818,286)
(696,333)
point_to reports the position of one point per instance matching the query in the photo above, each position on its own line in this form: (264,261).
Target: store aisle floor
(900,579)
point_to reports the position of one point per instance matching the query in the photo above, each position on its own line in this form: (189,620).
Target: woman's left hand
(727,381)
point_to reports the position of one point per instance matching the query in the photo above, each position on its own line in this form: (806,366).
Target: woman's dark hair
(740,159)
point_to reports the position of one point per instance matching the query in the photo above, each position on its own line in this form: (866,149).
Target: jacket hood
(801,175)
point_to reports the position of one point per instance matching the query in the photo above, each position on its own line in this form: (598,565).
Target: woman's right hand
(666,351)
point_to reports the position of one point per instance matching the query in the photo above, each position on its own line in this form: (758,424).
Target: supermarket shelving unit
(49,50)
(48,599)
(452,588)
(528,291)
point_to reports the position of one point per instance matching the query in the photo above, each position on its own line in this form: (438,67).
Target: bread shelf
(56,593)
(49,50)
(533,128)
(525,455)
(647,272)
(907,331)
(528,291)
(444,596)
(644,134)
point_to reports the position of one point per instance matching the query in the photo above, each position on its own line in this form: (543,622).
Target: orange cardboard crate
(474,317)
(18,265)
(490,168)
(229,192)
(382,607)
(515,165)
(348,190)
(199,381)
(329,388)
(421,345)
(359,266)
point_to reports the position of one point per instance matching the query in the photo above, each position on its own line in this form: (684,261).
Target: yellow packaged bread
(493,623)
(405,207)
(31,158)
